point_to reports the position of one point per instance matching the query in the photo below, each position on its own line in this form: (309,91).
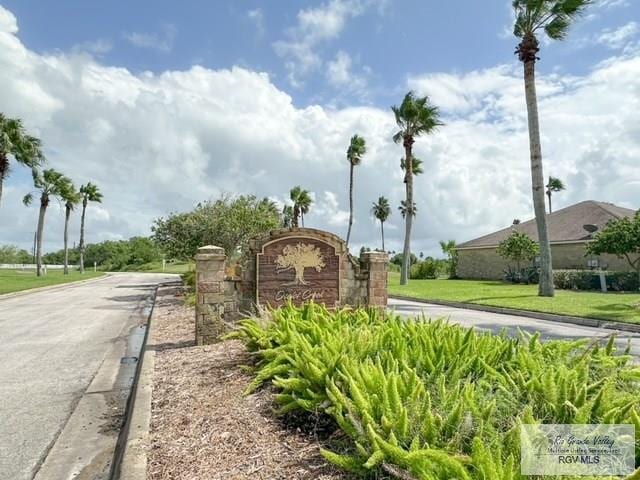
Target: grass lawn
(173,267)
(16,280)
(623,307)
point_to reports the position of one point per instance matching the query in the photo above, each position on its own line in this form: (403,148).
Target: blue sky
(165,104)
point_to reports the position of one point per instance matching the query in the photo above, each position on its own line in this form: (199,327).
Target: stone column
(376,263)
(210,294)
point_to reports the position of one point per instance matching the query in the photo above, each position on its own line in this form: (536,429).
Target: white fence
(28,266)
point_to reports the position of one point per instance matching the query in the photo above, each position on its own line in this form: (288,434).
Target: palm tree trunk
(44,200)
(406,251)
(67,214)
(549,195)
(545,287)
(382,231)
(81,246)
(350,203)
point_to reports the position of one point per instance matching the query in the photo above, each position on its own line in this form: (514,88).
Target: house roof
(565,225)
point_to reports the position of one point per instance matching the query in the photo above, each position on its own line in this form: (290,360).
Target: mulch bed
(202,425)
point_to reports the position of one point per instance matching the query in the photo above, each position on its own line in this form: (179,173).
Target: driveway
(62,352)
(495,322)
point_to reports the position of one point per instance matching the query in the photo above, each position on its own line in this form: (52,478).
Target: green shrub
(430,399)
(590,280)
(426,269)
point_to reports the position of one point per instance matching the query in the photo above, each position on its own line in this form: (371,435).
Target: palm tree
(553,17)
(301,204)
(89,193)
(555,185)
(403,209)
(71,197)
(25,149)
(357,148)
(416,165)
(287,216)
(450,249)
(415,116)
(49,183)
(381,210)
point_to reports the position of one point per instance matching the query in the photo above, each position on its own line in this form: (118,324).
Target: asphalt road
(495,322)
(60,352)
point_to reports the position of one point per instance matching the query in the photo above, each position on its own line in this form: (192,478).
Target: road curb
(582,321)
(20,293)
(131,457)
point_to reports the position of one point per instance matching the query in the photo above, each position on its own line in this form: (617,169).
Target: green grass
(623,307)
(156,267)
(17,280)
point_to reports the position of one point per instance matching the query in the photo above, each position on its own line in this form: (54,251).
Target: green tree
(416,166)
(14,142)
(518,247)
(450,249)
(381,210)
(229,222)
(49,183)
(553,186)
(71,198)
(553,18)
(357,148)
(287,216)
(301,204)
(621,238)
(14,255)
(415,117)
(403,209)
(89,193)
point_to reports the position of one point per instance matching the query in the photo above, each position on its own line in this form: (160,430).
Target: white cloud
(339,74)
(162,143)
(315,26)
(257,17)
(161,42)
(620,37)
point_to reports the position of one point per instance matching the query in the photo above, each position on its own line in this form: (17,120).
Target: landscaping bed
(621,307)
(204,427)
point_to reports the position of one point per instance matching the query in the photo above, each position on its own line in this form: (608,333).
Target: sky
(166,104)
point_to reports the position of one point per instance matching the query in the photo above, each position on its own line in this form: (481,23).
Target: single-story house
(570,229)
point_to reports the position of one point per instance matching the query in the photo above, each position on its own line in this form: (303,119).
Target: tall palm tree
(555,185)
(71,197)
(301,204)
(287,216)
(415,116)
(89,193)
(450,249)
(25,149)
(416,166)
(381,210)
(553,18)
(49,183)
(357,148)
(403,209)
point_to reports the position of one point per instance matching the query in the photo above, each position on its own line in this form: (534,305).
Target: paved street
(495,322)
(61,350)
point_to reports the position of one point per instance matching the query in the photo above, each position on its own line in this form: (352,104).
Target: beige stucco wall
(486,264)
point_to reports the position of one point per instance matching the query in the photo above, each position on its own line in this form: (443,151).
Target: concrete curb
(132,461)
(582,321)
(20,293)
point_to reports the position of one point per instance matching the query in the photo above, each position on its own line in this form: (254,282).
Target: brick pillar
(376,263)
(210,294)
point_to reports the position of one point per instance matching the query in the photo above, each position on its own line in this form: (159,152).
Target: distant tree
(416,166)
(397,259)
(553,186)
(229,222)
(621,238)
(450,249)
(403,209)
(355,152)
(14,142)
(415,117)
(14,255)
(89,193)
(518,247)
(381,210)
(50,184)
(301,204)
(71,198)
(553,17)
(287,216)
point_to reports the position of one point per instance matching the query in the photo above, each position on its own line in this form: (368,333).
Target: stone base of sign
(226,293)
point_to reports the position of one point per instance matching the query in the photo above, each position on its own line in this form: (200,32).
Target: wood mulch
(202,426)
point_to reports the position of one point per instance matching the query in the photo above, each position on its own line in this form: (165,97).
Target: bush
(427,269)
(590,280)
(528,275)
(432,399)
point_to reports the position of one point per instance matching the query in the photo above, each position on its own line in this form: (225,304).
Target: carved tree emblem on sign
(298,258)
